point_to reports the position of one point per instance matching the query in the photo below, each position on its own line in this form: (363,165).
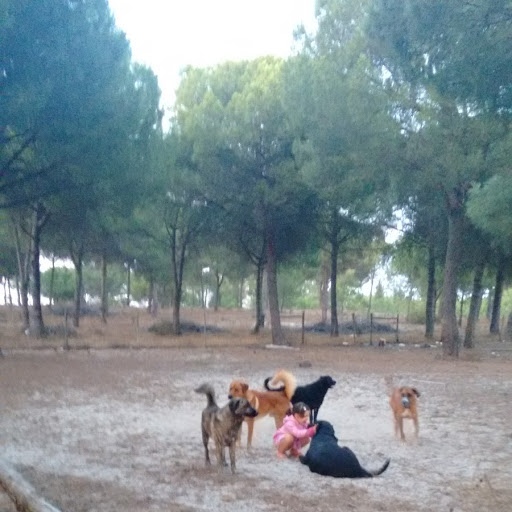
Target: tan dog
(268,403)
(404,403)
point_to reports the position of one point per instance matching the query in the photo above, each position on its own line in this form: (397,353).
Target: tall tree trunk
(241,289)
(219,279)
(18,291)
(324,286)
(78,262)
(52,282)
(474,305)
(178,264)
(9,291)
(25,305)
(488,309)
(461,309)
(152,297)
(104,289)
(176,306)
(23,259)
(335,329)
(155,304)
(37,325)
(430,308)
(128,284)
(450,330)
(494,328)
(151,286)
(260,318)
(372,278)
(273,300)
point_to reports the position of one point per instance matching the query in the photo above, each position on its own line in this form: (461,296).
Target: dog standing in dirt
(404,404)
(312,394)
(223,424)
(271,403)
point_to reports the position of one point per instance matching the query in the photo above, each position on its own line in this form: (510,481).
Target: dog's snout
(251,412)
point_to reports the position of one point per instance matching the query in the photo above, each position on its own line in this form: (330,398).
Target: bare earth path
(119,430)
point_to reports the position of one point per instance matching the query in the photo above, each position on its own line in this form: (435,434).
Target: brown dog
(404,403)
(223,424)
(268,403)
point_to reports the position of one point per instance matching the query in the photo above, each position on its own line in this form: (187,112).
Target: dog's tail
(208,390)
(286,378)
(381,470)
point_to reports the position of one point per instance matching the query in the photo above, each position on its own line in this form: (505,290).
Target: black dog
(311,394)
(325,457)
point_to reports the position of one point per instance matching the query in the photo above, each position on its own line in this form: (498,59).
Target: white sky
(168,35)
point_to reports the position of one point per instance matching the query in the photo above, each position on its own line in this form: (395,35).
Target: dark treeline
(300,163)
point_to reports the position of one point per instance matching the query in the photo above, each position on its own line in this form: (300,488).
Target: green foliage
(234,118)
(8,261)
(379,291)
(390,105)
(410,260)
(459,47)
(64,284)
(489,208)
(77,119)
(295,292)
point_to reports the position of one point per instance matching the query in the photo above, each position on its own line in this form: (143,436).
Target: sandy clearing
(114,430)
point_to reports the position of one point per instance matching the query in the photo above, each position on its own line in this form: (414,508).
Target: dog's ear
(245,386)
(416,392)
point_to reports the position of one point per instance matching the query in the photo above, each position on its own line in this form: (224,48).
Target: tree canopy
(282,164)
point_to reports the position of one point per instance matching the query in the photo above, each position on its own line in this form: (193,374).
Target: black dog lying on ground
(223,424)
(312,394)
(325,457)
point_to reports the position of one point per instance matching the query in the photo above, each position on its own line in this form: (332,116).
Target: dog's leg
(239,437)
(221,456)
(416,425)
(401,428)
(206,452)
(232,457)
(250,430)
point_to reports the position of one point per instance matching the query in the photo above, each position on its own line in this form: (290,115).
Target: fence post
(371,328)
(354,327)
(397,323)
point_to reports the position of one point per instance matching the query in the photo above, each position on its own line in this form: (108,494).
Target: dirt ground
(104,428)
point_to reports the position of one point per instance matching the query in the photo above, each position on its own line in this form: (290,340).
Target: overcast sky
(168,35)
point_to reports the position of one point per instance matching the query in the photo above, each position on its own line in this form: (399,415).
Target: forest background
(277,180)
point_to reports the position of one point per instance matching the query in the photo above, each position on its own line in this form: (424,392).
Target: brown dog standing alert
(404,403)
(271,403)
(222,424)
